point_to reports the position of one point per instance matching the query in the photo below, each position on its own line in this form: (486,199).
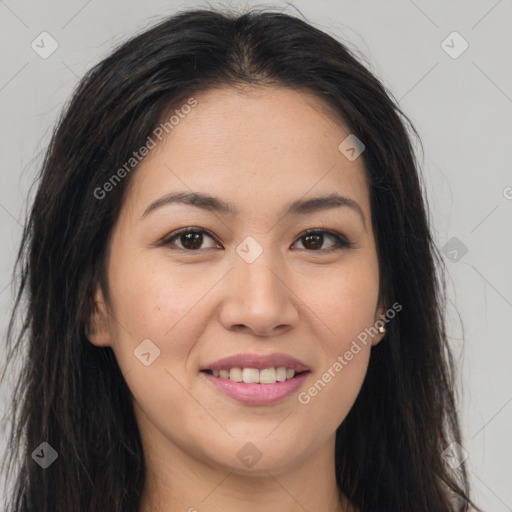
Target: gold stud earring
(382,329)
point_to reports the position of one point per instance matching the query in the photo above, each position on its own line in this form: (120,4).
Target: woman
(233,295)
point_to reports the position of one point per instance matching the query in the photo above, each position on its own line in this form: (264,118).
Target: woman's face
(251,285)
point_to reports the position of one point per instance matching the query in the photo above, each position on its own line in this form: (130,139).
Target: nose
(258,298)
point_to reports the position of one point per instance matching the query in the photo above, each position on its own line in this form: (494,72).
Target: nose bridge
(259,297)
(258,268)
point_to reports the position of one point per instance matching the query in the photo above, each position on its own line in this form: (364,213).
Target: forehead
(254,147)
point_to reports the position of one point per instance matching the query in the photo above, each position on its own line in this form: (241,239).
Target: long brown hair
(72,395)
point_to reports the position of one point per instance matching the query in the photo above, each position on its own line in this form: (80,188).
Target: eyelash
(341,241)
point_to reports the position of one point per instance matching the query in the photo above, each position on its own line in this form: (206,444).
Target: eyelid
(342,241)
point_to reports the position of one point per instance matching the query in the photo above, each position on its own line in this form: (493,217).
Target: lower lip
(257,394)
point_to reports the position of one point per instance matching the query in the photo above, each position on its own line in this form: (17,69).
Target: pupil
(319,239)
(193,238)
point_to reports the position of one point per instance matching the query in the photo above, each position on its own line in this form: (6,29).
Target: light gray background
(462,108)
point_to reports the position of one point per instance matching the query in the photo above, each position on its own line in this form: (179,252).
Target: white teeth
(255,376)
(281,374)
(268,376)
(235,374)
(251,375)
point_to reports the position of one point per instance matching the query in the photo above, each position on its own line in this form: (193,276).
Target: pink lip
(257,361)
(257,394)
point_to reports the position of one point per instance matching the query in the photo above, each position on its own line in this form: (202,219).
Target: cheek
(327,400)
(347,305)
(155,302)
(154,296)
(348,309)
(163,305)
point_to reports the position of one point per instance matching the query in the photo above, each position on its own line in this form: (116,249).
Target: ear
(379,322)
(98,327)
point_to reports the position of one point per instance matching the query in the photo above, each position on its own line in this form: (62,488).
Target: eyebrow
(214,204)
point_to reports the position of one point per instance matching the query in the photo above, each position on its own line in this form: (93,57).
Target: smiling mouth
(256,376)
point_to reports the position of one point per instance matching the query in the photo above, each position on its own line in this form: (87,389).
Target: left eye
(191,239)
(315,238)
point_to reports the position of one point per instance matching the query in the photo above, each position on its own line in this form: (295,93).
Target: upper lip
(257,361)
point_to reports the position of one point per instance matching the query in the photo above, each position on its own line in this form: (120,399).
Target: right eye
(190,238)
